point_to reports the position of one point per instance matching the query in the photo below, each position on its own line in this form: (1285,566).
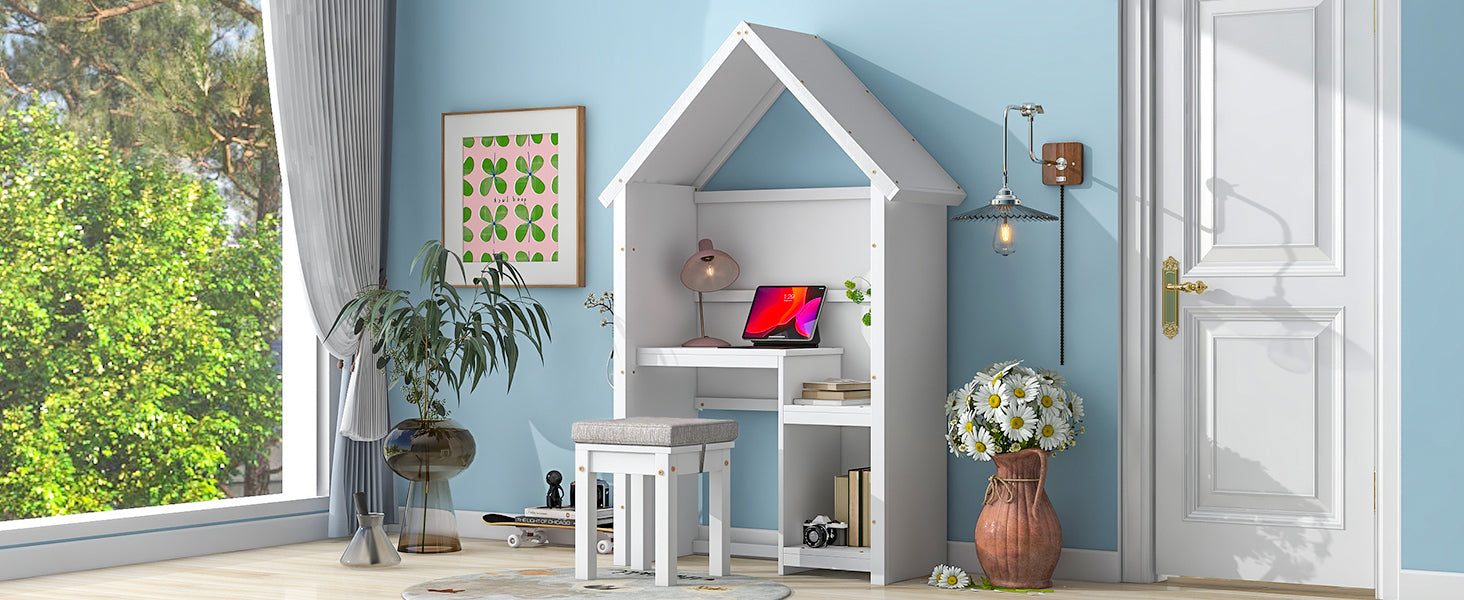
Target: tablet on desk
(784,316)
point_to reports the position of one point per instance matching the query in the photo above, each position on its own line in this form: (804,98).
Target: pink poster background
(493,221)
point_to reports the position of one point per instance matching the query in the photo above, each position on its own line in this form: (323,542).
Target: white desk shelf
(841,416)
(842,558)
(726,358)
(892,232)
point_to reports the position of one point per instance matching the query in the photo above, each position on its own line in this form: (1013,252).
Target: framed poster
(513,184)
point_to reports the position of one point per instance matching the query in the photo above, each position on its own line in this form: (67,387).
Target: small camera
(821,531)
(603,497)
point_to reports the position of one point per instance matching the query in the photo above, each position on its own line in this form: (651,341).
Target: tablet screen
(785,312)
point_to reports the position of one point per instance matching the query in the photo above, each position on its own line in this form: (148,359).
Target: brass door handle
(1193,287)
(1172,287)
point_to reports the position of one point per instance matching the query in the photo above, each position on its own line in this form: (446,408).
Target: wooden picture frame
(513,183)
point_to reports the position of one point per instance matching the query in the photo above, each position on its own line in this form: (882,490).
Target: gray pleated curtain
(329,72)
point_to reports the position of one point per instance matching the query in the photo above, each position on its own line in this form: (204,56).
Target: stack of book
(834,392)
(553,516)
(852,505)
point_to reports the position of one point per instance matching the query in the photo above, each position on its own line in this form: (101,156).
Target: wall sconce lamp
(1061,166)
(1005,207)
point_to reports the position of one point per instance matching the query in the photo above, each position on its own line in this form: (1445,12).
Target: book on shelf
(856,510)
(564,512)
(836,384)
(820,402)
(841,500)
(866,525)
(527,520)
(835,395)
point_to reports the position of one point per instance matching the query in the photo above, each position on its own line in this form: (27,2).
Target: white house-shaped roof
(738,85)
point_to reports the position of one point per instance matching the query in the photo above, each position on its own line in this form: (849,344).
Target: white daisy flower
(1018,422)
(997,369)
(1052,431)
(953,578)
(965,393)
(1052,399)
(953,402)
(1052,378)
(1075,404)
(1023,389)
(935,574)
(981,446)
(967,427)
(988,400)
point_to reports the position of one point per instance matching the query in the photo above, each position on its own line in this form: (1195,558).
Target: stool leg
(642,521)
(584,520)
(666,527)
(719,522)
(621,536)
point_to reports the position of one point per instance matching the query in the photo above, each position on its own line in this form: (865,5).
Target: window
(141,289)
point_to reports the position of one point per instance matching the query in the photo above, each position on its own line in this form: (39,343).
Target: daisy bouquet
(1009,407)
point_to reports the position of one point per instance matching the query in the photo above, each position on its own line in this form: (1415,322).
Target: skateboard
(533,531)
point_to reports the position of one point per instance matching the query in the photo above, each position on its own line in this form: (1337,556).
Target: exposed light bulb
(711,271)
(1005,240)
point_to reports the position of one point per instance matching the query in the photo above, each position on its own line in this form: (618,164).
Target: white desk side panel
(655,232)
(909,365)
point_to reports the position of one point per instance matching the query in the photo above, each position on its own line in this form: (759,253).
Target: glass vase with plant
(438,343)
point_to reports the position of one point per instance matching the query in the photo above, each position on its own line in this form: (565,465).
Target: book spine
(841,501)
(866,536)
(856,510)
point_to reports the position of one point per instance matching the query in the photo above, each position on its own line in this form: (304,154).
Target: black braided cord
(1062,275)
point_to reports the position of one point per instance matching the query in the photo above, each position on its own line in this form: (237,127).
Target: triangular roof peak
(736,88)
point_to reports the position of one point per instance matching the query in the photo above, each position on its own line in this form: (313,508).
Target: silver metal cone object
(370,547)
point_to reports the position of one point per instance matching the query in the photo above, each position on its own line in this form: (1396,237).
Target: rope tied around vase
(1000,487)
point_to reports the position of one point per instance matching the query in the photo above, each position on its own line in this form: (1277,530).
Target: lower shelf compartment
(842,558)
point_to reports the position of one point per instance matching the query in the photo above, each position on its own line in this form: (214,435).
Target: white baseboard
(1076,564)
(749,543)
(1430,585)
(85,553)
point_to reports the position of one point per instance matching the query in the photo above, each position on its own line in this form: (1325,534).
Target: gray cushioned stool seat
(654,431)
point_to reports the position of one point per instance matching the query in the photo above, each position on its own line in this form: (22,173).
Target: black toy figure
(555,497)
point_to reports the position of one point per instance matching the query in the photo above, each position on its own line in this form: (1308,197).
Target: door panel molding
(1246,177)
(1320,501)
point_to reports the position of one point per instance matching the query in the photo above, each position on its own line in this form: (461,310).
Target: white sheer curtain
(329,65)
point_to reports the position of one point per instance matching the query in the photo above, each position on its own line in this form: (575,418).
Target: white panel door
(1265,403)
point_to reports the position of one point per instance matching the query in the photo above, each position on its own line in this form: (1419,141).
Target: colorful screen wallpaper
(783,312)
(511,197)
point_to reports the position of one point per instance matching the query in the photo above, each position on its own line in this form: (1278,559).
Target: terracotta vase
(1018,538)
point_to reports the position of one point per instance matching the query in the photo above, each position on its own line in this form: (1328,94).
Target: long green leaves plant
(444,340)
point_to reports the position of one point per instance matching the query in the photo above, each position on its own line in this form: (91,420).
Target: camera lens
(815,536)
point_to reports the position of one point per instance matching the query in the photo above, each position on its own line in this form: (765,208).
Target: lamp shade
(709,269)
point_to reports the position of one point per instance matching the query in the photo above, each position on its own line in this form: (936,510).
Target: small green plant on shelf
(860,294)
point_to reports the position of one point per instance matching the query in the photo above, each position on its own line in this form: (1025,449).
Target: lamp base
(706,342)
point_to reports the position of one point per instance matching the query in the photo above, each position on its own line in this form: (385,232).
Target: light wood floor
(310,572)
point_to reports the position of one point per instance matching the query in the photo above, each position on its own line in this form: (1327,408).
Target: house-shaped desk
(893,232)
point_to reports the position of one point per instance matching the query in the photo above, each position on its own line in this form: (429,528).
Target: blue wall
(940,67)
(1433,141)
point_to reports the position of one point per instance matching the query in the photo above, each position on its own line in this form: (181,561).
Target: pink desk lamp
(708,270)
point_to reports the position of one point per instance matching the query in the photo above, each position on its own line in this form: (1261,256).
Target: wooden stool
(647,448)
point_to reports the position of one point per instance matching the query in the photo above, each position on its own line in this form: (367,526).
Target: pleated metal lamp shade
(1004,206)
(1004,209)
